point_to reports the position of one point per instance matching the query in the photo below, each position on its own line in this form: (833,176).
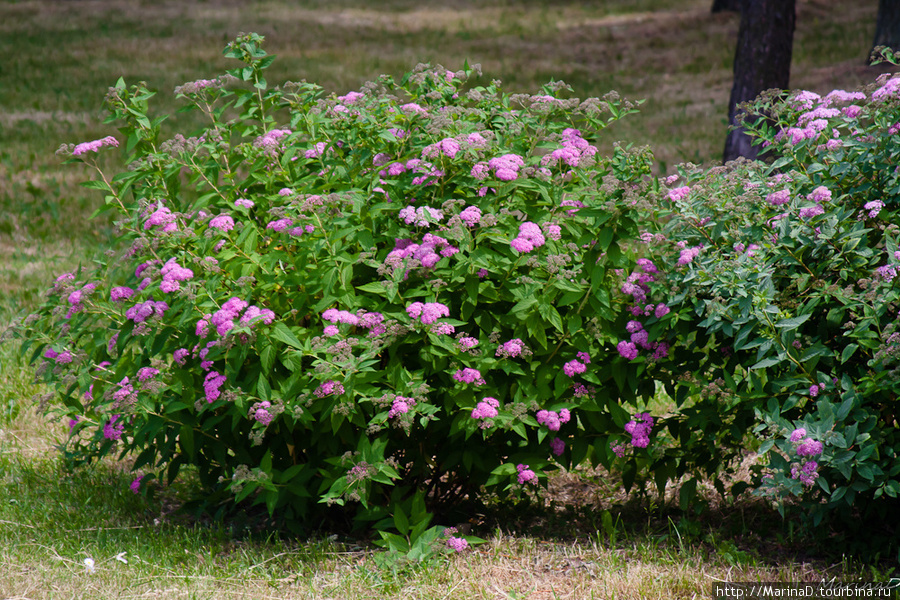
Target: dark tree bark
(762,61)
(726,6)
(887,25)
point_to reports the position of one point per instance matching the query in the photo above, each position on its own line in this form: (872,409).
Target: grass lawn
(590,540)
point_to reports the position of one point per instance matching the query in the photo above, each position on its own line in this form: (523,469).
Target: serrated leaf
(283,334)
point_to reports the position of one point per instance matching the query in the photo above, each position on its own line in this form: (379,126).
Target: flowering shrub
(784,280)
(398,295)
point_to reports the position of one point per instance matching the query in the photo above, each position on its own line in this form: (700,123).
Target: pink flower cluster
(506,167)
(428,312)
(113,428)
(457,543)
(211,385)
(222,222)
(467,343)
(179,357)
(366,320)
(806,448)
(874,207)
(809,447)
(468,375)
(574,367)
(639,428)
(270,142)
(224,318)
(329,388)
(486,409)
(172,275)
(144,310)
(557,447)
(526,475)
(429,252)
(446,147)
(163,218)
(279,225)
(778,198)
(422,216)
(819,195)
(687,255)
(124,396)
(261,414)
(145,373)
(511,349)
(108,141)
(553,420)
(888,89)
(574,148)
(679,193)
(808,212)
(530,237)
(400,406)
(807,474)
(471,216)
(120,294)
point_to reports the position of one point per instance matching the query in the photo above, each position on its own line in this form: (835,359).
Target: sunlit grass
(59,60)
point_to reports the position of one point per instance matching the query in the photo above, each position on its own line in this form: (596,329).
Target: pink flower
(486,409)
(550,419)
(557,446)
(679,193)
(328,388)
(457,543)
(511,349)
(222,223)
(118,294)
(467,343)
(113,430)
(279,225)
(778,198)
(471,216)
(809,212)
(468,375)
(573,367)
(798,434)
(526,475)
(627,349)
(95,145)
(809,447)
(136,485)
(400,406)
(211,386)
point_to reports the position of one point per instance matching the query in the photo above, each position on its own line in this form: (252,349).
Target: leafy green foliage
(363,307)
(792,299)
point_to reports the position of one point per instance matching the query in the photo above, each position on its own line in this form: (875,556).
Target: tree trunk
(762,61)
(887,25)
(726,6)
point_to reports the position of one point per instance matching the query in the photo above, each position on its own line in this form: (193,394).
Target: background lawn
(59,58)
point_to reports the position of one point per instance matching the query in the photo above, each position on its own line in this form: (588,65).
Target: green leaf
(374,287)
(283,334)
(766,362)
(848,352)
(401,522)
(793,322)
(267,358)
